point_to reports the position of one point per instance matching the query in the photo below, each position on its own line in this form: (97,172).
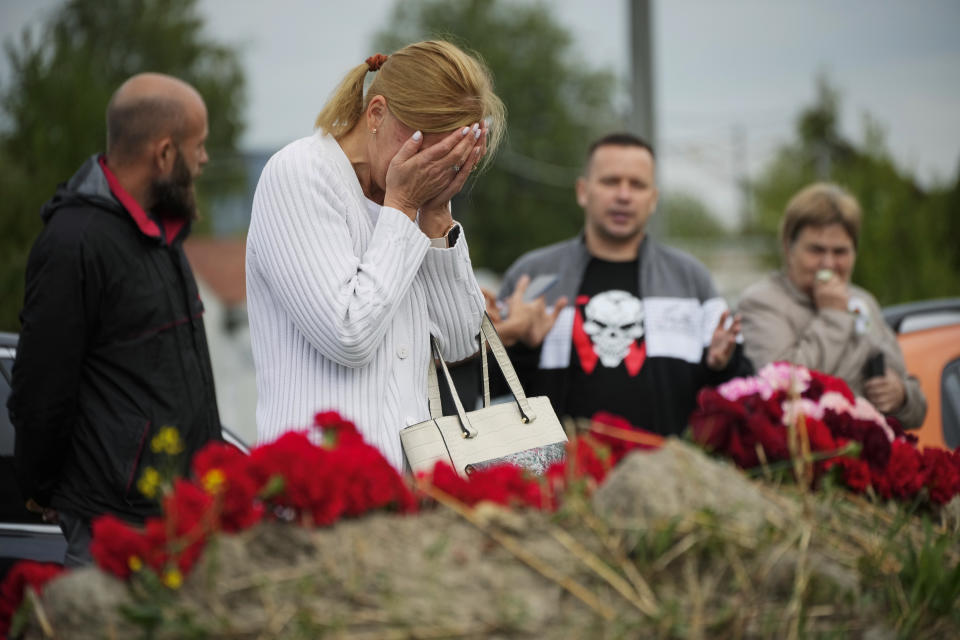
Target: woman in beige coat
(810,314)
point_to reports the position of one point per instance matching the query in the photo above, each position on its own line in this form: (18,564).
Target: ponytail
(344,107)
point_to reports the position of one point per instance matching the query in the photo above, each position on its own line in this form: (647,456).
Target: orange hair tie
(376,61)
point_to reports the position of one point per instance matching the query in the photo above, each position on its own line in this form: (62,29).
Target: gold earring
(373,131)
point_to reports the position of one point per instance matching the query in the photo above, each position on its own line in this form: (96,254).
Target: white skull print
(614,319)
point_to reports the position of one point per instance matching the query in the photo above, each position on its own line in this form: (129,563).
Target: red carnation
(225,473)
(336,429)
(370,482)
(943,475)
(589,458)
(117,547)
(23,574)
(744,454)
(189,517)
(821,383)
(157,541)
(239,506)
(898,431)
(714,418)
(881,483)
(553,485)
(771,435)
(819,435)
(904,471)
(736,427)
(621,437)
(311,486)
(856,473)
(504,484)
(876,447)
(218,455)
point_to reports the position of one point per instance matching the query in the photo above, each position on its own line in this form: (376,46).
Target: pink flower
(743,387)
(785,376)
(835,401)
(860,410)
(793,408)
(863,410)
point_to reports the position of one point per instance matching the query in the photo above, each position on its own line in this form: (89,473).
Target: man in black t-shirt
(618,322)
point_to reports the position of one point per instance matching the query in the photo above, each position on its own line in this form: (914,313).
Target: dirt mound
(674,544)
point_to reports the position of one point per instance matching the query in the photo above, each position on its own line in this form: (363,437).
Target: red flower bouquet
(749,419)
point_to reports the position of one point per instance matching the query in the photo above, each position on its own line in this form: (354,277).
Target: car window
(930,320)
(6,429)
(12,508)
(950,403)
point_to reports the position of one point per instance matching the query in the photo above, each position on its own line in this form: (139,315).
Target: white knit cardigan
(342,297)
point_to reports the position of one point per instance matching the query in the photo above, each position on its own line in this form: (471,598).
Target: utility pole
(642,121)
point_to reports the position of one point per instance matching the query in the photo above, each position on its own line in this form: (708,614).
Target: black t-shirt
(606,370)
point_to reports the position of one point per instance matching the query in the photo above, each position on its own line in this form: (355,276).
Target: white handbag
(525,432)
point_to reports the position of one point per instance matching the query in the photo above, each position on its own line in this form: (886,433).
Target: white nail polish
(417,136)
(464,131)
(488,121)
(476,134)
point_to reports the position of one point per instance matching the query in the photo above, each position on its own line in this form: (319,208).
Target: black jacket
(112,349)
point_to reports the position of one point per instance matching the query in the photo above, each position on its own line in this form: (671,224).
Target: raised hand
(527,321)
(723,343)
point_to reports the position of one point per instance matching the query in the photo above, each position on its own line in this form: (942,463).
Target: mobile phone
(875,366)
(538,286)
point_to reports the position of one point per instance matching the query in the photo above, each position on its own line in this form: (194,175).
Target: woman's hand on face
(465,163)
(831,294)
(416,176)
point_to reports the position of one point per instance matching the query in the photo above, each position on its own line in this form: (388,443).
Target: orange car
(929,336)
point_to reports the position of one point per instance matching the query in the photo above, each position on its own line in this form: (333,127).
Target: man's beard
(173,197)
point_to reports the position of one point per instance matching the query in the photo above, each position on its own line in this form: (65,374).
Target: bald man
(113,347)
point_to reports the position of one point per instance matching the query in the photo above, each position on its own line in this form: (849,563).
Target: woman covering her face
(811,314)
(353,256)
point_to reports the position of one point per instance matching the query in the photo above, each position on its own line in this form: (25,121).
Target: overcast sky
(720,66)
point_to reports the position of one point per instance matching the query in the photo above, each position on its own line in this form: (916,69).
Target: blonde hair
(819,205)
(430,86)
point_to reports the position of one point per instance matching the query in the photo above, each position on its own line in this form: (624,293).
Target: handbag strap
(509,374)
(434,386)
(488,335)
(485,370)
